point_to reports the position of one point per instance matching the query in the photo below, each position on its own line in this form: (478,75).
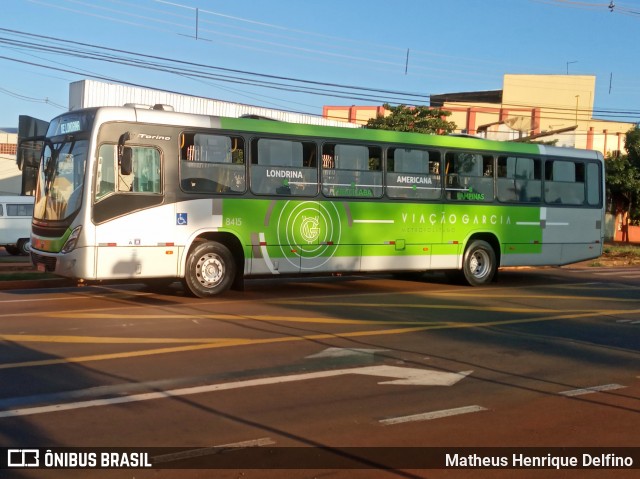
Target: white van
(15,224)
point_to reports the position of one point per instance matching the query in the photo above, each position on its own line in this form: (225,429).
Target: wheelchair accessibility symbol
(181,219)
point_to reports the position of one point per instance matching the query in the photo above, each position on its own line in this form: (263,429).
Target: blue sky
(453,45)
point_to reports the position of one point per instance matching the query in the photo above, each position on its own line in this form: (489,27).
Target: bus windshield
(60,180)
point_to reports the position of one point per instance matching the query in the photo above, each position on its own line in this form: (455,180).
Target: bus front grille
(48,262)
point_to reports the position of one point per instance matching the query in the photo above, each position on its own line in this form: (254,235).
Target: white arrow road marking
(414,377)
(404,376)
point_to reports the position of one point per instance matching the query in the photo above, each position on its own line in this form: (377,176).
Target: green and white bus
(157,196)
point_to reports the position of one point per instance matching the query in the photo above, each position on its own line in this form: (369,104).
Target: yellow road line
(313,337)
(492,309)
(486,294)
(42,338)
(227,317)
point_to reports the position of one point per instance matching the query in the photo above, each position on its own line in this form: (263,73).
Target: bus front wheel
(210,270)
(479,263)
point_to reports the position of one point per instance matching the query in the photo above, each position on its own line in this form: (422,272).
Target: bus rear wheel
(479,263)
(210,270)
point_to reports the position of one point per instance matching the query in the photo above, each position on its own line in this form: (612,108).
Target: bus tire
(24,246)
(12,250)
(210,270)
(479,263)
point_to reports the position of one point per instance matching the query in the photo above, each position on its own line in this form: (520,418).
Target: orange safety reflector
(263,243)
(168,252)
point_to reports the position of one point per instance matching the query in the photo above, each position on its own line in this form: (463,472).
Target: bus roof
(248,125)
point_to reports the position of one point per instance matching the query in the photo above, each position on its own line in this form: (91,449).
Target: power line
(376,56)
(31,99)
(202,72)
(193,68)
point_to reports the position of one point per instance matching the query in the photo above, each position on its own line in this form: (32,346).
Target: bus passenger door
(135,232)
(138,245)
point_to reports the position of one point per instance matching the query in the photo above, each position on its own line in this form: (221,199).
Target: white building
(90,93)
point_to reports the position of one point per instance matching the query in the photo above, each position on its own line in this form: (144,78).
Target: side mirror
(126,161)
(125,155)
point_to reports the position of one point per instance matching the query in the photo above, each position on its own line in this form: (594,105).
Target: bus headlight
(71,242)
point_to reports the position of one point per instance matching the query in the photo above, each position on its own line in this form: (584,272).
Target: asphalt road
(543,358)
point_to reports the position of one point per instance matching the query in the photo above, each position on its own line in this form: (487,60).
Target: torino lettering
(144,136)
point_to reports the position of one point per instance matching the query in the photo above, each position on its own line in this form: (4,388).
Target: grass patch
(622,250)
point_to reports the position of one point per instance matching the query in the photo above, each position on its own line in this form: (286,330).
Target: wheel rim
(210,270)
(479,264)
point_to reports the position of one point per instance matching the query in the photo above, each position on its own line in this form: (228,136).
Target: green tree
(418,119)
(623,177)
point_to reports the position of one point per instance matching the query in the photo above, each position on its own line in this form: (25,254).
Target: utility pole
(406,63)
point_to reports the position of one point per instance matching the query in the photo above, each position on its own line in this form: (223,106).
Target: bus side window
(212,163)
(105,175)
(594,181)
(19,209)
(144,177)
(351,171)
(469,176)
(413,174)
(283,167)
(564,182)
(519,179)
(146,170)
(145,173)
